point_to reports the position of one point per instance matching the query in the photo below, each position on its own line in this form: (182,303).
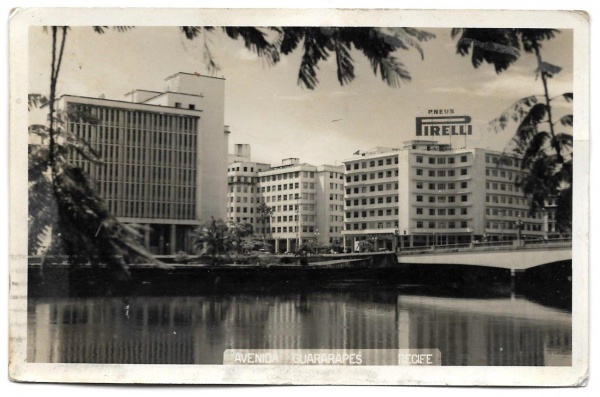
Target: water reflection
(196,330)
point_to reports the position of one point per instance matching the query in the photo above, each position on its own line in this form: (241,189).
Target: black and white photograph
(342,198)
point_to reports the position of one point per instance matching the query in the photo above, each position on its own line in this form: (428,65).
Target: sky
(267,108)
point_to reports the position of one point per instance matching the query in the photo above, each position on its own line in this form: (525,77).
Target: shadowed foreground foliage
(543,142)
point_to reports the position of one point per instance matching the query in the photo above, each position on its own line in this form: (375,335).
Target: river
(475,329)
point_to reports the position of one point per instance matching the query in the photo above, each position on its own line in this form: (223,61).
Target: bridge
(512,255)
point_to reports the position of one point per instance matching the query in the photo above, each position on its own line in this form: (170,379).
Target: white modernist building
(165,156)
(306,200)
(427,193)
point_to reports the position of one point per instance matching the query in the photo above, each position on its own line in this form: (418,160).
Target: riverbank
(549,283)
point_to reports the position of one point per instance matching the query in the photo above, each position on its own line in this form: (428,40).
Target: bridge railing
(484,246)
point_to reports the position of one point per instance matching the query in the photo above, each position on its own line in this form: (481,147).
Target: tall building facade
(165,156)
(427,193)
(243,193)
(306,200)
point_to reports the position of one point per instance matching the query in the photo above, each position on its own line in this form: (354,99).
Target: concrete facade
(307,200)
(427,193)
(165,156)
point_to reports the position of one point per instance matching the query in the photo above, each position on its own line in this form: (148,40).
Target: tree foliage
(365,246)
(64,206)
(213,239)
(546,149)
(378,45)
(237,232)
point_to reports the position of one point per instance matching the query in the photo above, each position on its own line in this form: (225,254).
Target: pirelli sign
(443,125)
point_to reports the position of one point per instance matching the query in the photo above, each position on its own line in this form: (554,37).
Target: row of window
(294,229)
(251,180)
(372,163)
(241,189)
(371,213)
(161,210)
(534,227)
(191,106)
(372,175)
(440,160)
(505,200)
(372,200)
(137,119)
(499,173)
(287,175)
(372,188)
(501,212)
(442,199)
(442,211)
(370,225)
(286,186)
(442,186)
(502,186)
(284,197)
(441,173)
(442,225)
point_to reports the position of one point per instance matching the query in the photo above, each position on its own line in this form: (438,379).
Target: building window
(419,171)
(419,198)
(431,173)
(419,159)
(441,160)
(178,105)
(463,198)
(463,171)
(192,106)
(432,160)
(419,225)
(463,159)
(419,211)
(431,211)
(463,185)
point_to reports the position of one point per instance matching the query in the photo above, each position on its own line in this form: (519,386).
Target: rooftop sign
(445,124)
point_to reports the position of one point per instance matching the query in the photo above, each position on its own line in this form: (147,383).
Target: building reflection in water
(196,330)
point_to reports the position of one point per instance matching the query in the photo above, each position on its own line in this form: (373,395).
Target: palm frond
(345,67)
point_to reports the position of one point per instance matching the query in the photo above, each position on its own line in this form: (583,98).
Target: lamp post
(298,225)
(545,224)
(502,225)
(519,225)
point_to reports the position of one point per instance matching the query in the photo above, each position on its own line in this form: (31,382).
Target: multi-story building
(306,200)
(307,203)
(427,193)
(243,193)
(165,156)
